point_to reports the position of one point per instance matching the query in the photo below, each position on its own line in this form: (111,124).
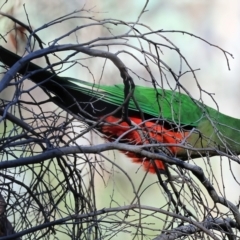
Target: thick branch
(22,62)
(6,228)
(186,230)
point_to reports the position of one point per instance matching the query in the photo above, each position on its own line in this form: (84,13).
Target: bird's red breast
(139,134)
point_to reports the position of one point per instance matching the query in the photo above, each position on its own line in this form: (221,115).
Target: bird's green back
(165,104)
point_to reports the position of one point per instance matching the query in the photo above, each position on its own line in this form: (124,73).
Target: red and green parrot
(189,128)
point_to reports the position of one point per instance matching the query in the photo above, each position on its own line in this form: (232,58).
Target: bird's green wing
(166,104)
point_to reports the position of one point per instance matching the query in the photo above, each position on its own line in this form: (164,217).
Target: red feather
(135,137)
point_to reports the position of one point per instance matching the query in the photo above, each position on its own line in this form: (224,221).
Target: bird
(174,123)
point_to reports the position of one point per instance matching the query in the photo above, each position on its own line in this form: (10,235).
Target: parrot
(186,127)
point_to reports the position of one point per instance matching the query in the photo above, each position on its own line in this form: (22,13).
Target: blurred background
(216,21)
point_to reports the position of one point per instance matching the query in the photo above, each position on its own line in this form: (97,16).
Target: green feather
(166,104)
